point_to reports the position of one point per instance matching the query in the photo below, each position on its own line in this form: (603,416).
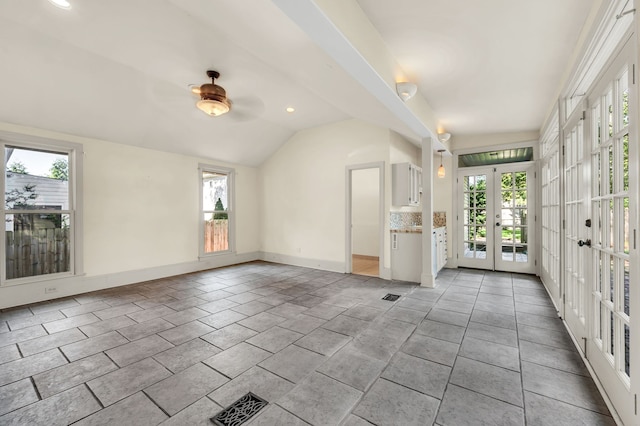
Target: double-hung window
(216,206)
(40,211)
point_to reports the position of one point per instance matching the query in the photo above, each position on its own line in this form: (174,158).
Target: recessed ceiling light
(62,4)
(290,109)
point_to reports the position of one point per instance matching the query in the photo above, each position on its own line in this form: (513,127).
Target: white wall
(365,213)
(303,192)
(141,217)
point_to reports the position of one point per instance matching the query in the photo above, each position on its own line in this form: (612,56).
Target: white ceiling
(119,70)
(489,66)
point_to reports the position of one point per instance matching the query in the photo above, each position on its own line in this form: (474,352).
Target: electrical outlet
(50,290)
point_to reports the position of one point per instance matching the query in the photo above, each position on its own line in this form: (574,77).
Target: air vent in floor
(240,411)
(391,297)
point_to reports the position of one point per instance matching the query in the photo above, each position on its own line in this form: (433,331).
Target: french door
(577,236)
(497,220)
(600,143)
(611,207)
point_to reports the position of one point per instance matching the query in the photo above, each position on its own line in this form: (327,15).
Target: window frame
(75,155)
(230,173)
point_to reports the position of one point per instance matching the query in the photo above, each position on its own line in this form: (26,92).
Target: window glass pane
(507,198)
(507,180)
(626,287)
(625,162)
(507,234)
(216,233)
(627,359)
(522,253)
(625,221)
(214,191)
(36,180)
(507,253)
(37,244)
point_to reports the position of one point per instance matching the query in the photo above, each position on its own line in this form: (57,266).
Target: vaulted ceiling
(119,70)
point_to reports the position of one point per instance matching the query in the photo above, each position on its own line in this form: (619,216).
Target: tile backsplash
(401,220)
(439,219)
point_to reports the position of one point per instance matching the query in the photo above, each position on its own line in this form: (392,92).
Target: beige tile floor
(322,348)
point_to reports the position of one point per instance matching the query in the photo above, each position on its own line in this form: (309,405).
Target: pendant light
(441,172)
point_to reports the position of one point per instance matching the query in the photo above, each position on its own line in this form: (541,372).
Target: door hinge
(635,403)
(585,348)
(635,240)
(584,115)
(535,217)
(535,263)
(535,175)
(564,298)
(562,149)
(563,223)
(457,256)
(633,74)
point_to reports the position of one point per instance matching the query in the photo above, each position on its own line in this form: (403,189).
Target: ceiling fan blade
(246,108)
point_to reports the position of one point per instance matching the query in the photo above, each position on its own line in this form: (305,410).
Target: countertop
(412,229)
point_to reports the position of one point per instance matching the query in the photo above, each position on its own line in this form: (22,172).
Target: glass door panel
(512,224)
(476,244)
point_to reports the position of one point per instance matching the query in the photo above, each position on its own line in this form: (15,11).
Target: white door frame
(348,219)
(453,262)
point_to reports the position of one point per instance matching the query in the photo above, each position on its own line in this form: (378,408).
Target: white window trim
(76,154)
(230,210)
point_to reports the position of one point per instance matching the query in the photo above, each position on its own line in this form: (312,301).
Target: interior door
(497,206)
(613,212)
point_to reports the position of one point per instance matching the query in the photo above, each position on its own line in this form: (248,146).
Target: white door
(515,218)
(613,212)
(577,236)
(475,247)
(496,217)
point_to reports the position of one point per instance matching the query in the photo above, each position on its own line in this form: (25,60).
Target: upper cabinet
(407,184)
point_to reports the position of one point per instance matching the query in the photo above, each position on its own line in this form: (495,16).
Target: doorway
(496,220)
(365,254)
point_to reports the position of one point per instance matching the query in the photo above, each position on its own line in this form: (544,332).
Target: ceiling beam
(344,32)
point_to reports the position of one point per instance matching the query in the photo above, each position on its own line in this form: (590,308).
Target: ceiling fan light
(213,107)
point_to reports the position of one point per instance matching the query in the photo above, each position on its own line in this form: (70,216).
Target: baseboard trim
(325,265)
(23,294)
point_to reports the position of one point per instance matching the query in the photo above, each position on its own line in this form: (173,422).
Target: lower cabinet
(406,254)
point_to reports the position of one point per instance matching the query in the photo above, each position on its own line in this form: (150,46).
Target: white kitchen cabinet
(407,184)
(406,256)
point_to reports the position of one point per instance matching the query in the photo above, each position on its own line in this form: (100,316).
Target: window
(217,210)
(40,212)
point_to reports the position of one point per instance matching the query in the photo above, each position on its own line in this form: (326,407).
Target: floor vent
(240,411)
(391,297)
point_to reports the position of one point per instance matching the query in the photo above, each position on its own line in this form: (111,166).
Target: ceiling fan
(213,98)
(214,102)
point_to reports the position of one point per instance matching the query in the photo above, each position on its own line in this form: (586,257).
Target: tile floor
(321,347)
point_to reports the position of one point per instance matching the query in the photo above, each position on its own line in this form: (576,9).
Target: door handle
(584,243)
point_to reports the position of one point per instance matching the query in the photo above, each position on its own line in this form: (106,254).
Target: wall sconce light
(441,172)
(444,137)
(406,90)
